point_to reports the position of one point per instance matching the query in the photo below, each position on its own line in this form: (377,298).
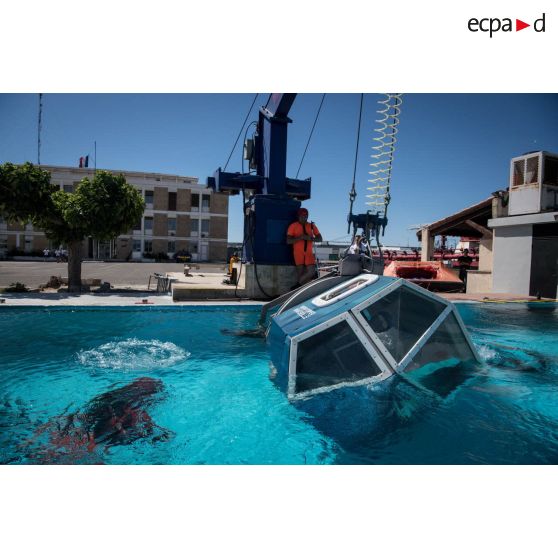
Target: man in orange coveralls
(302,236)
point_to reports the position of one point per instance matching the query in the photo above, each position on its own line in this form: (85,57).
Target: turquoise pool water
(165,386)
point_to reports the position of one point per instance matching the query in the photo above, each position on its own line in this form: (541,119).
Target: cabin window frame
(369,346)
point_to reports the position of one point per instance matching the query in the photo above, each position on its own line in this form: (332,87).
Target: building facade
(526,239)
(180,215)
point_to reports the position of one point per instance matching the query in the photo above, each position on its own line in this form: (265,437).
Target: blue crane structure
(270,198)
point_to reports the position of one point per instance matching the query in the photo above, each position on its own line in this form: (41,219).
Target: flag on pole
(84,161)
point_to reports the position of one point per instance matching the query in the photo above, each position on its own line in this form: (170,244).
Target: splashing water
(133,354)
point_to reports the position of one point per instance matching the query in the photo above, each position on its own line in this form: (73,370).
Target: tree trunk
(74,266)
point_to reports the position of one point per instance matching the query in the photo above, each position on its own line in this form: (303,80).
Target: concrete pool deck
(130,280)
(137,298)
(109,299)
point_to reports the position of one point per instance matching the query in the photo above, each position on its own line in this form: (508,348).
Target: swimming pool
(165,386)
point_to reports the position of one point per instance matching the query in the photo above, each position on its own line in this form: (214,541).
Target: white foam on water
(487,353)
(133,354)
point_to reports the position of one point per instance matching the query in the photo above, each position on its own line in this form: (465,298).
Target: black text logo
(493,25)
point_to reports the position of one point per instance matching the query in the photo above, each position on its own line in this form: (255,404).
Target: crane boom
(272,197)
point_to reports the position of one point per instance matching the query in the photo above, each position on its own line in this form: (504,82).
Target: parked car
(182,256)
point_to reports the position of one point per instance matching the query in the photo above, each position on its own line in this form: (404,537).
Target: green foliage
(25,192)
(107,206)
(102,207)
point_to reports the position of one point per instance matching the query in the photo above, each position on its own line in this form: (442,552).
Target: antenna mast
(39,129)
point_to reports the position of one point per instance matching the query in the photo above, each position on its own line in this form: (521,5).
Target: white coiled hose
(379,195)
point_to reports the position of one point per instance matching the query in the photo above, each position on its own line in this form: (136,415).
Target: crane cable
(352,193)
(240,133)
(310,136)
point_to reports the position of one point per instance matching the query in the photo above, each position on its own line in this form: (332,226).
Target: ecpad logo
(493,25)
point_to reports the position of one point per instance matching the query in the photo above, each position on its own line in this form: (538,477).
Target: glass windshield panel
(400,318)
(447,347)
(332,356)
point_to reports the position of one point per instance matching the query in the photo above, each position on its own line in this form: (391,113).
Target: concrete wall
(274,279)
(184,200)
(160,224)
(485,253)
(479,282)
(512,259)
(218,227)
(219,203)
(160,199)
(427,245)
(183,225)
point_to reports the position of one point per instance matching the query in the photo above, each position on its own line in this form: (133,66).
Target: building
(517,231)
(180,214)
(526,239)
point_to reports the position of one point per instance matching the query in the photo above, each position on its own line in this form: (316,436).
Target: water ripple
(133,354)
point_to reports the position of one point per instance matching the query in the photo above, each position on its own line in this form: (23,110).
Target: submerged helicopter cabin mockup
(363,331)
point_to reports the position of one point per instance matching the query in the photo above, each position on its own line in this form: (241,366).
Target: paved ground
(129,274)
(135,277)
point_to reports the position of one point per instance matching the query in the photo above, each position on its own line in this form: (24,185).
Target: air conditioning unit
(533,183)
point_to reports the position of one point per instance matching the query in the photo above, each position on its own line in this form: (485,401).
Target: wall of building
(479,282)
(202,229)
(512,259)
(486,253)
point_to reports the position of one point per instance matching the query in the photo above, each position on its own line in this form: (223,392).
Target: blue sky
(453,150)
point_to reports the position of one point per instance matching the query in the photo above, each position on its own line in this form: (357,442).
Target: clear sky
(453,150)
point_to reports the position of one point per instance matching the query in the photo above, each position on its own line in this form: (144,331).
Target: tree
(25,191)
(103,208)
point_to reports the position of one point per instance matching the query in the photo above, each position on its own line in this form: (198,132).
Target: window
(532,174)
(551,171)
(446,348)
(171,246)
(137,226)
(332,356)
(205,227)
(149,198)
(205,202)
(172,201)
(171,225)
(148,224)
(194,224)
(147,246)
(195,201)
(136,246)
(3,242)
(518,172)
(526,171)
(400,318)
(68,188)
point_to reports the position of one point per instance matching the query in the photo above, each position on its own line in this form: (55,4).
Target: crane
(270,198)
